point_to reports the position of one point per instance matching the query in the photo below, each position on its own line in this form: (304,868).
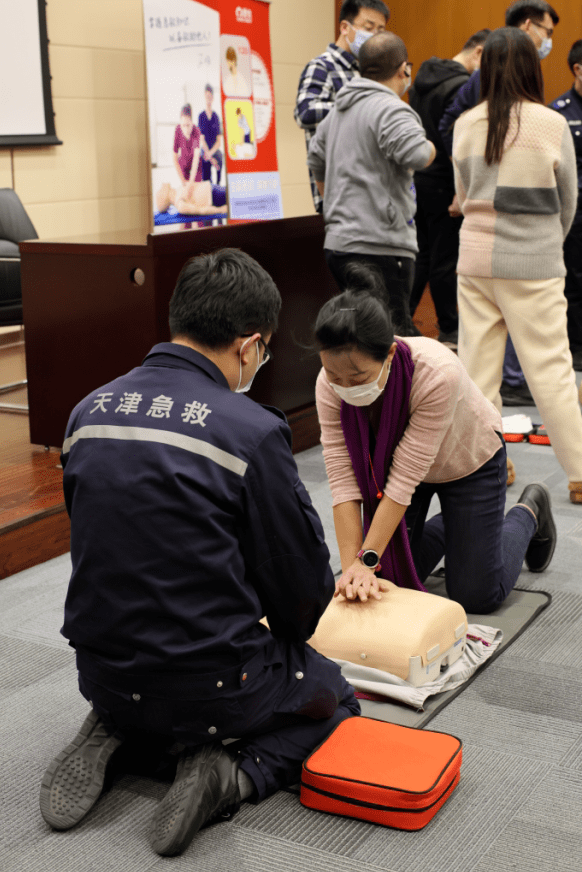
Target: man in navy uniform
(570,106)
(188,525)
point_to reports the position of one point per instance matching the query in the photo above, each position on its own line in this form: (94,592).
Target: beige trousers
(534,313)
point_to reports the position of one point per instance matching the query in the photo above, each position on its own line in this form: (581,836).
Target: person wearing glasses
(363,157)
(189,524)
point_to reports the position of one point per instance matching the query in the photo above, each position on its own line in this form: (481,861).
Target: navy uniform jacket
(188,524)
(467,97)
(570,106)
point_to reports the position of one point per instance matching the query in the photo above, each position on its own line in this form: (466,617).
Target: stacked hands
(206,156)
(359,582)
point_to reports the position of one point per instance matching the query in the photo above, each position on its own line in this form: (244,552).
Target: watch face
(370,559)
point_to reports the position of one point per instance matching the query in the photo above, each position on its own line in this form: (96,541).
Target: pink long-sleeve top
(451,429)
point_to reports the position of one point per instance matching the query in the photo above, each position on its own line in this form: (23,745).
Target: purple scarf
(397,563)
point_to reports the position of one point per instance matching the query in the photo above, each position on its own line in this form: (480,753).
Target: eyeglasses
(549,30)
(267,353)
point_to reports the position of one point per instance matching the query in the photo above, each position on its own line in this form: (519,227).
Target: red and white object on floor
(382,773)
(540,437)
(516,428)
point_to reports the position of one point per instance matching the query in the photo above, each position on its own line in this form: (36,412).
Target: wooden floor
(34,525)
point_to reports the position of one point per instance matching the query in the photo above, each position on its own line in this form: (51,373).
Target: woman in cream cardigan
(515,177)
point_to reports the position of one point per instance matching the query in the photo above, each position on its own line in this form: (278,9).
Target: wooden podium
(94,306)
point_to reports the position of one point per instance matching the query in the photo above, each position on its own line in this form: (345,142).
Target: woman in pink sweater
(401,421)
(515,177)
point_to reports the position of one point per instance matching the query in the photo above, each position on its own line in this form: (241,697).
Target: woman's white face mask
(363,395)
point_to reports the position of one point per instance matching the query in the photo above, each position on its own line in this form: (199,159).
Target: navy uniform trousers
(279,711)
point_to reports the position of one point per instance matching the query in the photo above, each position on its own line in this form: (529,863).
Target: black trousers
(436,261)
(279,706)
(397,273)
(573,288)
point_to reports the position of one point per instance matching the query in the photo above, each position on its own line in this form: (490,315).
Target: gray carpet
(517,612)
(517,806)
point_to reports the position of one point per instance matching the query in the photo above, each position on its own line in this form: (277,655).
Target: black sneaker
(516,396)
(73,782)
(541,547)
(206,787)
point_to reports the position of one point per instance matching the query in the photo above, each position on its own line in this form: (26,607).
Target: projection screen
(26,107)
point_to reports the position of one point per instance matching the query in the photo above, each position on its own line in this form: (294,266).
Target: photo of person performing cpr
(401,421)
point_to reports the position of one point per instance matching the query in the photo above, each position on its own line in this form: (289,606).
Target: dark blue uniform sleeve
(286,558)
(467,97)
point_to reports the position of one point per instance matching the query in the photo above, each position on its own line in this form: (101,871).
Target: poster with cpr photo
(188,175)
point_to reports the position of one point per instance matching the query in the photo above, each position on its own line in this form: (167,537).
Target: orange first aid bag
(383,773)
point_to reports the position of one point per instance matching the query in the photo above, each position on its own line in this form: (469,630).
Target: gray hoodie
(366,151)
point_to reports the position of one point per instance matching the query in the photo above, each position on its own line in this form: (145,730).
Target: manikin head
(165,197)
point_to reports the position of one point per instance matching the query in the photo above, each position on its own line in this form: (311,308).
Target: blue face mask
(360,38)
(546,46)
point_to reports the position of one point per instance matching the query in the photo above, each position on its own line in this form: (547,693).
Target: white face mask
(247,387)
(360,38)
(362,395)
(546,46)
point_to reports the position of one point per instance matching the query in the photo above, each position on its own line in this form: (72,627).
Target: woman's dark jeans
(483,550)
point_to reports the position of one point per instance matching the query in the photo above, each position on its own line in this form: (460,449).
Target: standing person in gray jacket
(363,157)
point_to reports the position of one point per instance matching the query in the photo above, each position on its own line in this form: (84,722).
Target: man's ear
(344,27)
(248,342)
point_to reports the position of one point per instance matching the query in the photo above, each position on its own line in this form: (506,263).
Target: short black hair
(357,318)
(186,110)
(208,87)
(381,55)
(477,39)
(221,296)
(575,54)
(350,9)
(519,12)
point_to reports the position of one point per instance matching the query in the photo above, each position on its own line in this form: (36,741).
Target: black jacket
(435,86)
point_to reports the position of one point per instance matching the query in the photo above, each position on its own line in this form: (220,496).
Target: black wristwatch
(369,558)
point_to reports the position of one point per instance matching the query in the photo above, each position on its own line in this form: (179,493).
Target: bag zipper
(375,806)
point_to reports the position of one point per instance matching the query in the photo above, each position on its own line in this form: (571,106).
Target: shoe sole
(553,532)
(73,782)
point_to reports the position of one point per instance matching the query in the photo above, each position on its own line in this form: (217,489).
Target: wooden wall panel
(443,26)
